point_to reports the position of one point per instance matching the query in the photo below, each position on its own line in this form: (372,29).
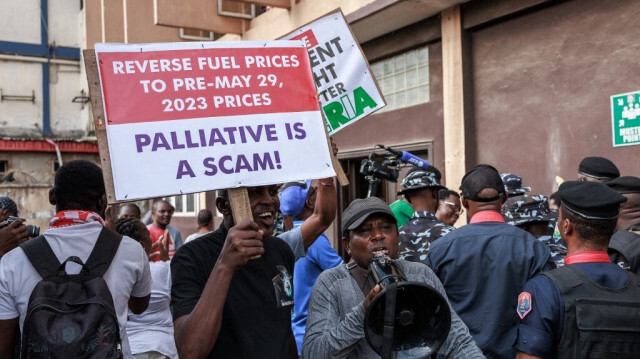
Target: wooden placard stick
(240,207)
(95,94)
(342,177)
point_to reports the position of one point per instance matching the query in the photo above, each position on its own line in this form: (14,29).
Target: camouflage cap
(420,178)
(513,184)
(526,208)
(8,204)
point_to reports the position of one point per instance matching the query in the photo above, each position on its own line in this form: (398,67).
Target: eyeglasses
(455,208)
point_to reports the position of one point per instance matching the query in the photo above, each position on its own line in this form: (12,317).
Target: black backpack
(71,316)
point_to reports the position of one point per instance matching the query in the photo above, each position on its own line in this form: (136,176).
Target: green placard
(625,117)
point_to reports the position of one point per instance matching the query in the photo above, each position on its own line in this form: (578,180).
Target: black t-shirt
(256,320)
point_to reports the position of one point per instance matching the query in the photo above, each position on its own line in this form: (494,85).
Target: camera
(379,170)
(32,231)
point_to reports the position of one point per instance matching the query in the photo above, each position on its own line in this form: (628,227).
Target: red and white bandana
(72,217)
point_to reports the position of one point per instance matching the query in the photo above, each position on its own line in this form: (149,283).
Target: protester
(161,213)
(402,211)
(624,247)
(227,302)
(531,213)
(554,202)
(421,191)
(484,264)
(597,169)
(151,333)
(12,234)
(449,207)
(584,309)
(340,297)
(297,201)
(79,196)
(129,210)
(205,225)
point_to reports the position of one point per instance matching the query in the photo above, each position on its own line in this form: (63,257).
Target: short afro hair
(78,185)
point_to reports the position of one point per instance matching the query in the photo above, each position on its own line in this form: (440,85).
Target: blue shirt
(541,329)
(320,256)
(483,267)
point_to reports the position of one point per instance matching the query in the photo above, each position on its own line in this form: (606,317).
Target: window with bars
(404,78)
(185,205)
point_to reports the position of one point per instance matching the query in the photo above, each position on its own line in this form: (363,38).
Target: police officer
(590,306)
(421,191)
(624,247)
(597,169)
(532,214)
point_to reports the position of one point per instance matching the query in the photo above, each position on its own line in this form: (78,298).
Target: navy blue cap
(481,177)
(293,197)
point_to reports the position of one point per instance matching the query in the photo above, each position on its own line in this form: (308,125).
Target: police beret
(599,168)
(625,184)
(591,200)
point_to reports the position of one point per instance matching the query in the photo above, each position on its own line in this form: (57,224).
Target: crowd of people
(529,276)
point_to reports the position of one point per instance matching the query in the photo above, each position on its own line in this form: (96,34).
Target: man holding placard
(229,305)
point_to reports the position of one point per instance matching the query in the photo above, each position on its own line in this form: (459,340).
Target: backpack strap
(41,256)
(103,252)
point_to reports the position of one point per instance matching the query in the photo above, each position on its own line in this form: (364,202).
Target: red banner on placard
(179,84)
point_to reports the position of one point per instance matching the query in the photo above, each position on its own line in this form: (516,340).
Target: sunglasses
(453,205)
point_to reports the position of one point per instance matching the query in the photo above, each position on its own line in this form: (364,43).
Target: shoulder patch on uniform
(524,304)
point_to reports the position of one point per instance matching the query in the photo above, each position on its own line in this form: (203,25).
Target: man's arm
(8,329)
(196,333)
(138,305)
(323,214)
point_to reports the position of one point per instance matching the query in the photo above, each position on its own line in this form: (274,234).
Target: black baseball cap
(481,177)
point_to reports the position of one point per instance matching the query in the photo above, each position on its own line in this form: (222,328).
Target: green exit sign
(625,117)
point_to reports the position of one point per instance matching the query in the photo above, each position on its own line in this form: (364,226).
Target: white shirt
(127,276)
(153,329)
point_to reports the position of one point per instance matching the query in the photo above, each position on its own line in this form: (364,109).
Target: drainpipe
(50,141)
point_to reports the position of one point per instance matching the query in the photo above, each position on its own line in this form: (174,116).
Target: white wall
(20,20)
(20,117)
(64,22)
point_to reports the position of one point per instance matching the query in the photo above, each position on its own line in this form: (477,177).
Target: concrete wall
(33,179)
(542,83)
(278,22)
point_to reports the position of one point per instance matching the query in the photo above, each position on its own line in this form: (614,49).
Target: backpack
(71,315)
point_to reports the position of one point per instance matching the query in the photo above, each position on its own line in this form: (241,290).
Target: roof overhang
(381,17)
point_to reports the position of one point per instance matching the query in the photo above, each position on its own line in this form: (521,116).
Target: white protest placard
(346,87)
(192,117)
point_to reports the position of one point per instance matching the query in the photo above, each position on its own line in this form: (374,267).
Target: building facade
(524,85)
